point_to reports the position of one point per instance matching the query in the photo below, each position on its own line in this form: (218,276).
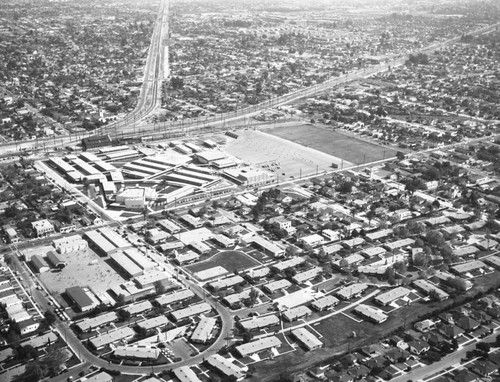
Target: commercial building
(43,228)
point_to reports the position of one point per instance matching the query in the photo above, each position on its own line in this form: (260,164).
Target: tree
(159,287)
(23,353)
(123,315)
(390,275)
(49,317)
(254,295)
(54,360)
(484,347)
(435,238)
(33,372)
(400,267)
(434,295)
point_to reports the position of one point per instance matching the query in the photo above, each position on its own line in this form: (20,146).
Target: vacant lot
(230,260)
(348,148)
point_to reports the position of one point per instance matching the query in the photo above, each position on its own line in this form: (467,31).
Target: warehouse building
(125,264)
(55,261)
(99,243)
(39,264)
(81,298)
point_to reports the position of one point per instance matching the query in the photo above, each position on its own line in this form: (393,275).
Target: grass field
(282,157)
(350,149)
(231,260)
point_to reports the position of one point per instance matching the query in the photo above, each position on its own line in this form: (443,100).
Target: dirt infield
(85,268)
(348,148)
(285,158)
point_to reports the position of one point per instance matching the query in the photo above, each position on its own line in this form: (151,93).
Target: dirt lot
(284,157)
(85,268)
(348,148)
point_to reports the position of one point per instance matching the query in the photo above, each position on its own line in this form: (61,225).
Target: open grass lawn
(333,143)
(230,260)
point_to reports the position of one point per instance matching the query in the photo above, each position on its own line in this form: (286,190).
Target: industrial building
(95,141)
(81,299)
(99,243)
(39,264)
(125,264)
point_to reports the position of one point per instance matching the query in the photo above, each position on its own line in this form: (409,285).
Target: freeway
(156,70)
